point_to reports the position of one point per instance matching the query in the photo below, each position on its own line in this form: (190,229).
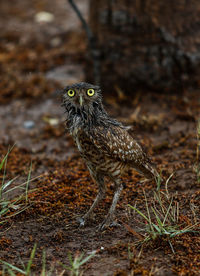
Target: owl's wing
(118,144)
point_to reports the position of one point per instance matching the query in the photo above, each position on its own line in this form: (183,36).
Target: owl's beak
(81,100)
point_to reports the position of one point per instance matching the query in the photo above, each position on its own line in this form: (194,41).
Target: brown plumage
(104,143)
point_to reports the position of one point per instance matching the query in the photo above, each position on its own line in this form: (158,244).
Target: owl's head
(84,108)
(82,97)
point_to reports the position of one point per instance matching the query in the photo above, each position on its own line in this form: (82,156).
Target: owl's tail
(148,169)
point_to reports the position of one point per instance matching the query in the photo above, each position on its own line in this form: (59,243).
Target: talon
(101,227)
(115,224)
(108,223)
(81,222)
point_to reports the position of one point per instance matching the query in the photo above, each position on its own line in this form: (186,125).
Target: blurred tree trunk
(147,43)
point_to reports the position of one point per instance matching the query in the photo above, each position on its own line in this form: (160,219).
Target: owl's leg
(110,216)
(101,193)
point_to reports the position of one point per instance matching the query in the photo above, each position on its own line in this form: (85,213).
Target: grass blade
(43,273)
(166,215)
(157,218)
(139,212)
(13,267)
(28,269)
(4,186)
(28,181)
(87,258)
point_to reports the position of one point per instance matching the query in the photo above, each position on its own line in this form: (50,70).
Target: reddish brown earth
(165,124)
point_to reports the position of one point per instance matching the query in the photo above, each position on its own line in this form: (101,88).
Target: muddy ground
(38,58)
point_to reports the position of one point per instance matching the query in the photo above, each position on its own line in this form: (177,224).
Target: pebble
(44,16)
(29,124)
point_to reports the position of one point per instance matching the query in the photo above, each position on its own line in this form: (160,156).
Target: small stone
(44,17)
(51,121)
(29,124)
(55,42)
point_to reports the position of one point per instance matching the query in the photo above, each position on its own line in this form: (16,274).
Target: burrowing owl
(103,142)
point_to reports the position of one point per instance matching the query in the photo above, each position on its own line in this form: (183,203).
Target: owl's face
(82,96)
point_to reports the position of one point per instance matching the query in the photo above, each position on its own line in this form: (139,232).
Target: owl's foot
(108,222)
(81,222)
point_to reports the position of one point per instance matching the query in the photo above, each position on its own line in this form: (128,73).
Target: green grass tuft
(11,269)
(77,262)
(12,207)
(161,218)
(74,268)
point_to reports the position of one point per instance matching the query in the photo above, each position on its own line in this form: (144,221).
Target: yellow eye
(90,92)
(71,93)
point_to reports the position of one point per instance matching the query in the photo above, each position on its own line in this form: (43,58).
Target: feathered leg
(101,193)
(110,216)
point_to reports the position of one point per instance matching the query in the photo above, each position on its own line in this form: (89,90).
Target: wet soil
(39,58)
